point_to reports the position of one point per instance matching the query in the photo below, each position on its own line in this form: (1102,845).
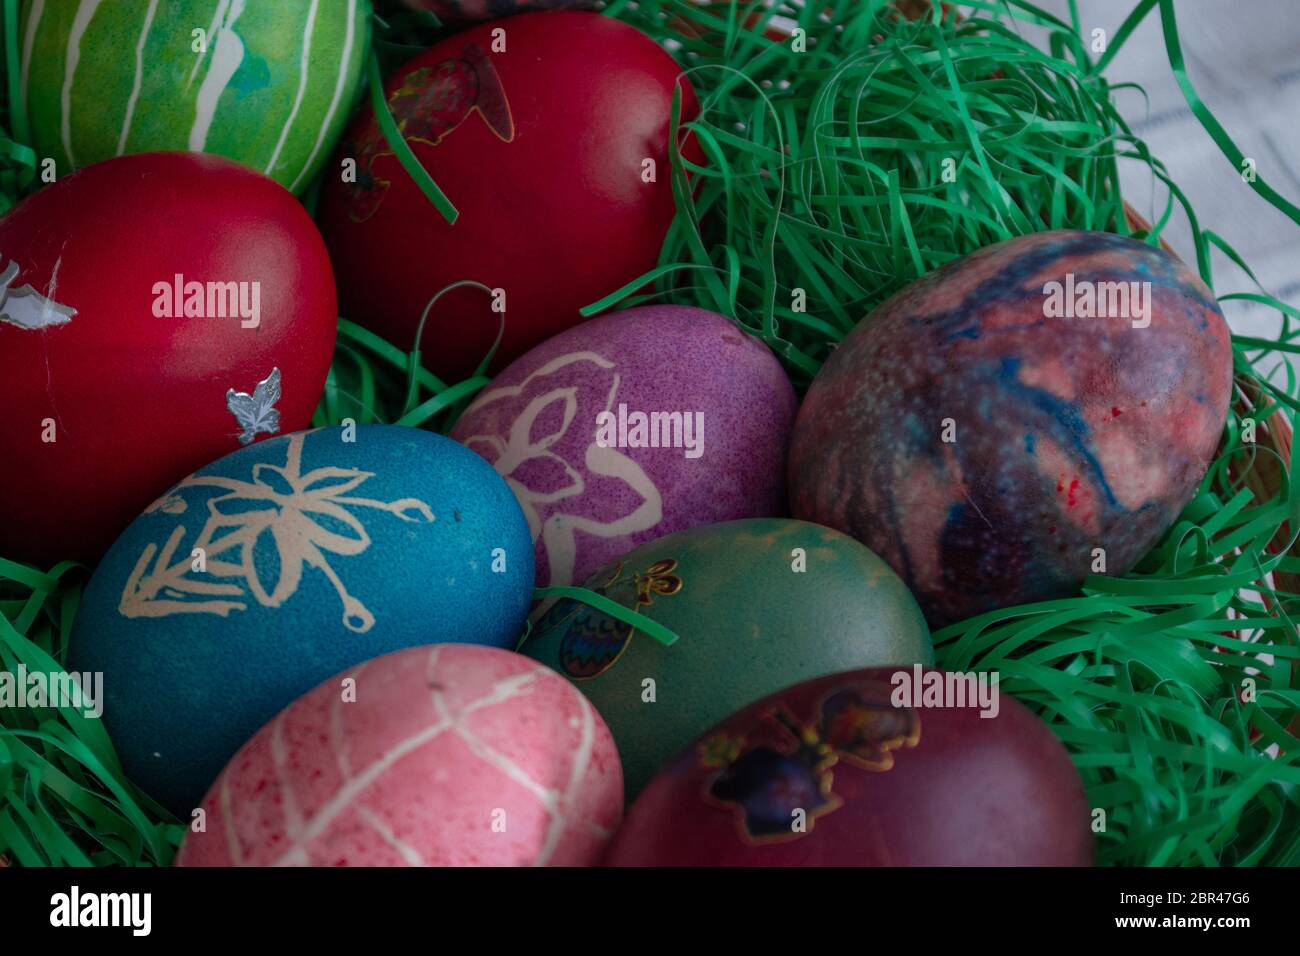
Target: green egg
(757,605)
(267,84)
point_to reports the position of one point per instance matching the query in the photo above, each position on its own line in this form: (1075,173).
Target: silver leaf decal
(257,412)
(27,308)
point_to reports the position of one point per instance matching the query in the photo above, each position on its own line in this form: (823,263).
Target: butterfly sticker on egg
(746,626)
(430,104)
(836,771)
(851,725)
(578,101)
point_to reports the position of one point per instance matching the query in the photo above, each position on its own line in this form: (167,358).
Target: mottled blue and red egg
(992,424)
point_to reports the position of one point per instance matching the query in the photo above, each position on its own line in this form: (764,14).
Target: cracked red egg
(157,312)
(549,134)
(1031,414)
(448,755)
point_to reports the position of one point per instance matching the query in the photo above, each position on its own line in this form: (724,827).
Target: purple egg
(632,426)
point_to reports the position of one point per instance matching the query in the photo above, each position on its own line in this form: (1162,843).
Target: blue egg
(284,563)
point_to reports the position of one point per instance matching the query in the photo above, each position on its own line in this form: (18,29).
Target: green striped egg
(272,87)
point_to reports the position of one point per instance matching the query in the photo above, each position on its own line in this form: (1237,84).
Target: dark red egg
(549,134)
(839,771)
(1031,414)
(157,311)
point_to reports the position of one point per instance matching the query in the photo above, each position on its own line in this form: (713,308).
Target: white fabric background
(1243,57)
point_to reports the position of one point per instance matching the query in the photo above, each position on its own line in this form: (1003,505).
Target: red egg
(156,312)
(839,771)
(549,133)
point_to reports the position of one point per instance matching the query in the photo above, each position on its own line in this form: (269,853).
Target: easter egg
(260,575)
(839,771)
(549,134)
(267,84)
(461,11)
(156,312)
(632,426)
(448,755)
(755,604)
(1035,412)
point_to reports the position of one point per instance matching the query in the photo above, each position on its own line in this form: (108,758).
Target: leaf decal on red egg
(27,308)
(256,412)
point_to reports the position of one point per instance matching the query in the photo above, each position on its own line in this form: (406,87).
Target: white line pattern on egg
(302,831)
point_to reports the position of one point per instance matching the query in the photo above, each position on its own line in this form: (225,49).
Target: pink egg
(449,755)
(632,426)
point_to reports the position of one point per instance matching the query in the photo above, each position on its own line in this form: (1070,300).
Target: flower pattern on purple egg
(551,459)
